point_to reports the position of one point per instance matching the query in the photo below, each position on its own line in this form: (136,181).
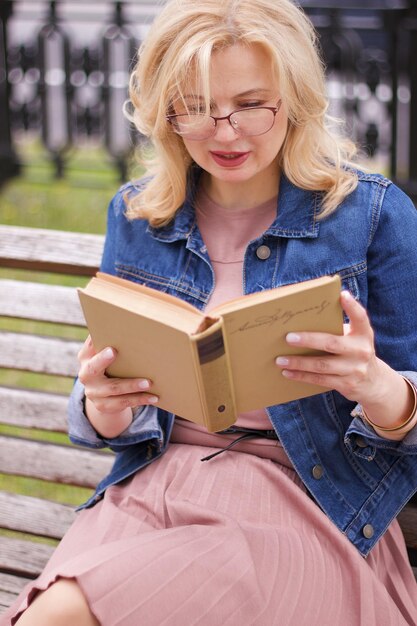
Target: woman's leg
(63,604)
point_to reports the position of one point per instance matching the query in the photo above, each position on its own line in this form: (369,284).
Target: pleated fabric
(234,541)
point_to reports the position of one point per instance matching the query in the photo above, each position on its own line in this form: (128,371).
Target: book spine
(214,378)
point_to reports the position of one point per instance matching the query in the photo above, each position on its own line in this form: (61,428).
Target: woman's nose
(224,131)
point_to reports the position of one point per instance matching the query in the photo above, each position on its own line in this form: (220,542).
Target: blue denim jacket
(363,480)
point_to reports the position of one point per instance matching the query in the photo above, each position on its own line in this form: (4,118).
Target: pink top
(226,234)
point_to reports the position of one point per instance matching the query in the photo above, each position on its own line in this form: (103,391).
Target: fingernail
(143,384)
(282,360)
(287,373)
(108,353)
(153,399)
(293,338)
(346,295)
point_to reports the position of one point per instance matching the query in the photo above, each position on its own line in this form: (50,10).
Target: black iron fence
(64,68)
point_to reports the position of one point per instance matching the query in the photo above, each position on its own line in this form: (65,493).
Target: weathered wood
(34,515)
(35,301)
(30,408)
(408,522)
(6,600)
(56,463)
(23,558)
(46,355)
(10,588)
(12,584)
(50,250)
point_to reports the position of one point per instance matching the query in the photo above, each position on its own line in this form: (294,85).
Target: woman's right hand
(110,401)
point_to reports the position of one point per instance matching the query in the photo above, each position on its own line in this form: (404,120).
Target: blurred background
(64,65)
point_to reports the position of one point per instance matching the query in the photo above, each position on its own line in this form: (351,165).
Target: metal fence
(64,69)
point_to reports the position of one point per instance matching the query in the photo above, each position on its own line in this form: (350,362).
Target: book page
(146,303)
(143,289)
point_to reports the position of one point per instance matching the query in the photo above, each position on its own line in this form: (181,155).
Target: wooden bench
(26,522)
(22,556)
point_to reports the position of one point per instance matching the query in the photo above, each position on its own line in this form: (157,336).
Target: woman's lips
(229,159)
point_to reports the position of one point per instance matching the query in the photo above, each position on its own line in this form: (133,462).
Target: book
(209,367)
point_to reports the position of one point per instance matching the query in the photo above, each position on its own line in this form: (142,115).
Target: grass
(77,202)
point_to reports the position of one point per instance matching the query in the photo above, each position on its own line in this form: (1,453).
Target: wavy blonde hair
(179,47)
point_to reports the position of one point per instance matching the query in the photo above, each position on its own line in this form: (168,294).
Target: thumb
(358,317)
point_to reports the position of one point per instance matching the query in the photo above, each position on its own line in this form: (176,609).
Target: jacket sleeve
(392,302)
(144,427)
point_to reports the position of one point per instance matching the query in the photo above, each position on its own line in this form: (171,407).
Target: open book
(208,368)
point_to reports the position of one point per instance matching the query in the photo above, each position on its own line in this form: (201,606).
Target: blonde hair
(180,44)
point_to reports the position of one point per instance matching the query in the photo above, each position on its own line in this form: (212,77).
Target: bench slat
(12,584)
(33,409)
(24,558)
(52,462)
(10,588)
(6,599)
(35,301)
(46,355)
(34,515)
(50,250)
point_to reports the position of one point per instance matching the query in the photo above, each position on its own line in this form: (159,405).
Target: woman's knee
(62,604)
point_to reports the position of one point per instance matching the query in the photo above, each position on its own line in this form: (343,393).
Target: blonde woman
(249,188)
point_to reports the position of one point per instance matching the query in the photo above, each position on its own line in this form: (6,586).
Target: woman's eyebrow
(249,92)
(255,91)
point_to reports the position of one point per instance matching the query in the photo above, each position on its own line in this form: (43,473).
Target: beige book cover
(208,368)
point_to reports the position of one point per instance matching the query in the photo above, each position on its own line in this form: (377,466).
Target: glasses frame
(275,109)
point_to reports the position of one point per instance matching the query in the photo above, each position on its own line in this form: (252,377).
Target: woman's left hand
(350,365)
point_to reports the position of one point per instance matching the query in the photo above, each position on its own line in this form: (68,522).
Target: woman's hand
(109,401)
(351,367)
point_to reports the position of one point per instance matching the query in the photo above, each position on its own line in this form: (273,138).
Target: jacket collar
(297,216)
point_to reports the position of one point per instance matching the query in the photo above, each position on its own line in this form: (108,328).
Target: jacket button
(263,253)
(368,531)
(317,472)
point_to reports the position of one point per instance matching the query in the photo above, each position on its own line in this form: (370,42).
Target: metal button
(317,472)
(368,531)
(360,442)
(263,253)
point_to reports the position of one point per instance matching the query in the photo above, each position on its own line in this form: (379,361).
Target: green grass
(42,328)
(65,494)
(78,202)
(35,434)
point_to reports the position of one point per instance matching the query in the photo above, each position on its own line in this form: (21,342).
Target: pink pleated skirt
(234,541)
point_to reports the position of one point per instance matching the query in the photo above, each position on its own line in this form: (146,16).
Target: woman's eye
(249,105)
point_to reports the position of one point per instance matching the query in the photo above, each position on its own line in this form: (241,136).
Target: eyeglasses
(245,122)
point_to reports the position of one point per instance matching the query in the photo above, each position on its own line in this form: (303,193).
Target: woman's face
(240,79)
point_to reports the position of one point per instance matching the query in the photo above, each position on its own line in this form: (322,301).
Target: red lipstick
(229,159)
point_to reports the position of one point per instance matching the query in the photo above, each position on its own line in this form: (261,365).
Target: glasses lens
(194,126)
(251,122)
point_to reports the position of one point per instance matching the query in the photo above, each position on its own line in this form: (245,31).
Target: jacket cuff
(82,432)
(363,440)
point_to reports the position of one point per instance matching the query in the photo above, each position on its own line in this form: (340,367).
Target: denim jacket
(360,480)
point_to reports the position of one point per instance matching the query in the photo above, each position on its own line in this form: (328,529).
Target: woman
(249,189)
